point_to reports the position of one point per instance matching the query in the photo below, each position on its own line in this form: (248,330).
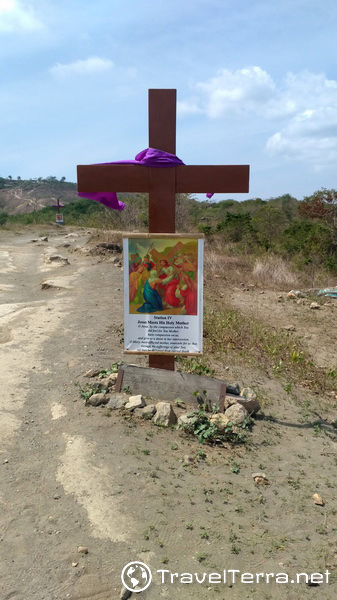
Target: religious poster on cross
(163,293)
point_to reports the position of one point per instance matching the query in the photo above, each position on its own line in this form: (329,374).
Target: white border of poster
(163,293)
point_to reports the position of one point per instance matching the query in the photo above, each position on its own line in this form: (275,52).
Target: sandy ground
(75,476)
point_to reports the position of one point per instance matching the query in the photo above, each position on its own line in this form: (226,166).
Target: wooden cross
(162,184)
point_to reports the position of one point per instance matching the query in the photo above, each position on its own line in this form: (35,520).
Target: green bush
(3,218)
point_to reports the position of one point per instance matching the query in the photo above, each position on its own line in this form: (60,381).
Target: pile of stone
(295,294)
(160,413)
(303,298)
(238,405)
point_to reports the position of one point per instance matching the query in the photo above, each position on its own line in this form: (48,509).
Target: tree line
(304,231)
(10,181)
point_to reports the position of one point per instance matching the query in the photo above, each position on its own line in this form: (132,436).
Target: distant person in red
(169,282)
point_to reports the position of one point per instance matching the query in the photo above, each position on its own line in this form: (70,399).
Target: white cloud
(188,108)
(18,16)
(90,65)
(310,136)
(240,91)
(311,132)
(301,109)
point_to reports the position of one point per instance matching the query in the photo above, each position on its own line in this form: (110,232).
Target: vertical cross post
(162,200)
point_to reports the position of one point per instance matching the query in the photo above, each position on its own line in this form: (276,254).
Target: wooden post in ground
(162,188)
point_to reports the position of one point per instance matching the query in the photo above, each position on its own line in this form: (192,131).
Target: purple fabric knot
(150,157)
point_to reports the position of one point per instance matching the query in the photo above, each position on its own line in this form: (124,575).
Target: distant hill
(18,196)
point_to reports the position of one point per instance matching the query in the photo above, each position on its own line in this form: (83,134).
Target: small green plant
(294,483)
(202,399)
(318,428)
(180,403)
(209,432)
(194,365)
(201,427)
(235,468)
(86,390)
(321,529)
(232,537)
(201,454)
(297,356)
(202,557)
(110,370)
(279,544)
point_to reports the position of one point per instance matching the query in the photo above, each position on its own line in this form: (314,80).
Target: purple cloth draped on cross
(150,157)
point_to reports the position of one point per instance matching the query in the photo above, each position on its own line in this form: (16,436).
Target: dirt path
(55,493)
(71,476)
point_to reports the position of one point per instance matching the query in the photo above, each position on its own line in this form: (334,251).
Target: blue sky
(256,82)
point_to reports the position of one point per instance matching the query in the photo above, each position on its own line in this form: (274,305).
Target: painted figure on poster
(137,280)
(187,291)
(163,276)
(134,262)
(152,298)
(169,283)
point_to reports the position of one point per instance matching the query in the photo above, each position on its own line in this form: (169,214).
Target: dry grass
(230,333)
(267,271)
(274,271)
(221,263)
(102,236)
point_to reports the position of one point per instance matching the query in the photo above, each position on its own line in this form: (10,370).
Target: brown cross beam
(162,184)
